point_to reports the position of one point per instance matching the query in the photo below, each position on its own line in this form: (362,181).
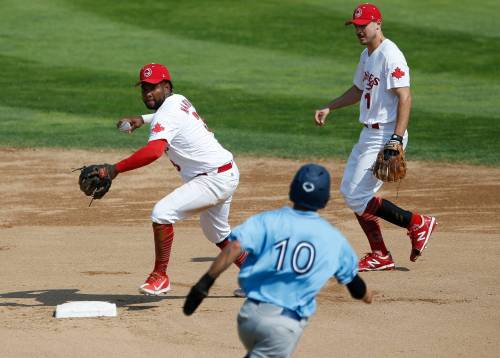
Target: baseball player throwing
(292,252)
(382,87)
(208,170)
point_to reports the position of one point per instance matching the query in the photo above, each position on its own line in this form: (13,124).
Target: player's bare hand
(368,297)
(129,124)
(320,116)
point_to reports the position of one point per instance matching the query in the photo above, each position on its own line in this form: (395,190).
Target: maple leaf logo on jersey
(157,128)
(398,73)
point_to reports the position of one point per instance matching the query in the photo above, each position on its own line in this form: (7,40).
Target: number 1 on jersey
(367,97)
(281,246)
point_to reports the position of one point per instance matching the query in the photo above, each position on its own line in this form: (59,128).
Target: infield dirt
(54,248)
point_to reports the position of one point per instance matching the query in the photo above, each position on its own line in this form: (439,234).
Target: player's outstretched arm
(144,156)
(225,259)
(351,96)
(199,291)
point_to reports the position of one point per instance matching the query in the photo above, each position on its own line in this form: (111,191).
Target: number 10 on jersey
(303,248)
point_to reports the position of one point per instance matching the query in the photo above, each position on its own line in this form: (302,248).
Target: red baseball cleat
(156,284)
(420,234)
(374,262)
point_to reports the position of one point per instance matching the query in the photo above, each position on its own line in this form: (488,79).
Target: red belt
(225,167)
(221,169)
(374,125)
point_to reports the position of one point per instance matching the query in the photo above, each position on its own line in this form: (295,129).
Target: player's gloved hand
(110,170)
(389,147)
(390,165)
(197,294)
(95,180)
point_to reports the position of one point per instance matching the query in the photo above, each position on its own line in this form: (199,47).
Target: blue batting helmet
(310,188)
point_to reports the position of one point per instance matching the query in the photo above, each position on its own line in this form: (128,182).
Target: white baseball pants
(210,195)
(359,185)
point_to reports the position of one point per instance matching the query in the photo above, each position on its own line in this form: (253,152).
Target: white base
(86,309)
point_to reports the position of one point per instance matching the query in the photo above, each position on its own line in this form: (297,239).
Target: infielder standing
(292,253)
(382,86)
(208,170)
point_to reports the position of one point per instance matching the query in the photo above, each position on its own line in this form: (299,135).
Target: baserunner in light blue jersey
(292,253)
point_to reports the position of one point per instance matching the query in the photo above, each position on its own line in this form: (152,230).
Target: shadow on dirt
(52,298)
(203,259)
(59,296)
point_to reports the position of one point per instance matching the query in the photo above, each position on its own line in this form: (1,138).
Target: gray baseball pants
(266,330)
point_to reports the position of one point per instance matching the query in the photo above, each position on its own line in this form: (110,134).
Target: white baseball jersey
(192,148)
(376,74)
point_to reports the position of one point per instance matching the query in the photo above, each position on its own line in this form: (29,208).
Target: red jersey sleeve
(144,156)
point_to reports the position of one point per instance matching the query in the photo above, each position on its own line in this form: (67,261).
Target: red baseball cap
(364,14)
(153,73)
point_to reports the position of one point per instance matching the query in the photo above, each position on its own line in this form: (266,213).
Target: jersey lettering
(371,80)
(197,116)
(185,105)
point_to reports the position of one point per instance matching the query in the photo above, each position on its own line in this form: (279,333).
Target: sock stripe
(164,238)
(370,225)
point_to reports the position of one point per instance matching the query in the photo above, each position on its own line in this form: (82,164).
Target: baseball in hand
(125,127)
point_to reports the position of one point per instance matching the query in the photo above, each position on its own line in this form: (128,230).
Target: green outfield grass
(256,70)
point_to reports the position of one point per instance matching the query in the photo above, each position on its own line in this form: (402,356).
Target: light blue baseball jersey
(291,255)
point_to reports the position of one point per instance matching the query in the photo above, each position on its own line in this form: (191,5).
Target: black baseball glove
(95,180)
(197,294)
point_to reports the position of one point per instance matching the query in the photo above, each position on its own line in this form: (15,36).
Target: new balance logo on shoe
(375,262)
(420,235)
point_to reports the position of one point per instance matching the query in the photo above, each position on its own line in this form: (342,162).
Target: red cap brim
(358,22)
(153,81)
